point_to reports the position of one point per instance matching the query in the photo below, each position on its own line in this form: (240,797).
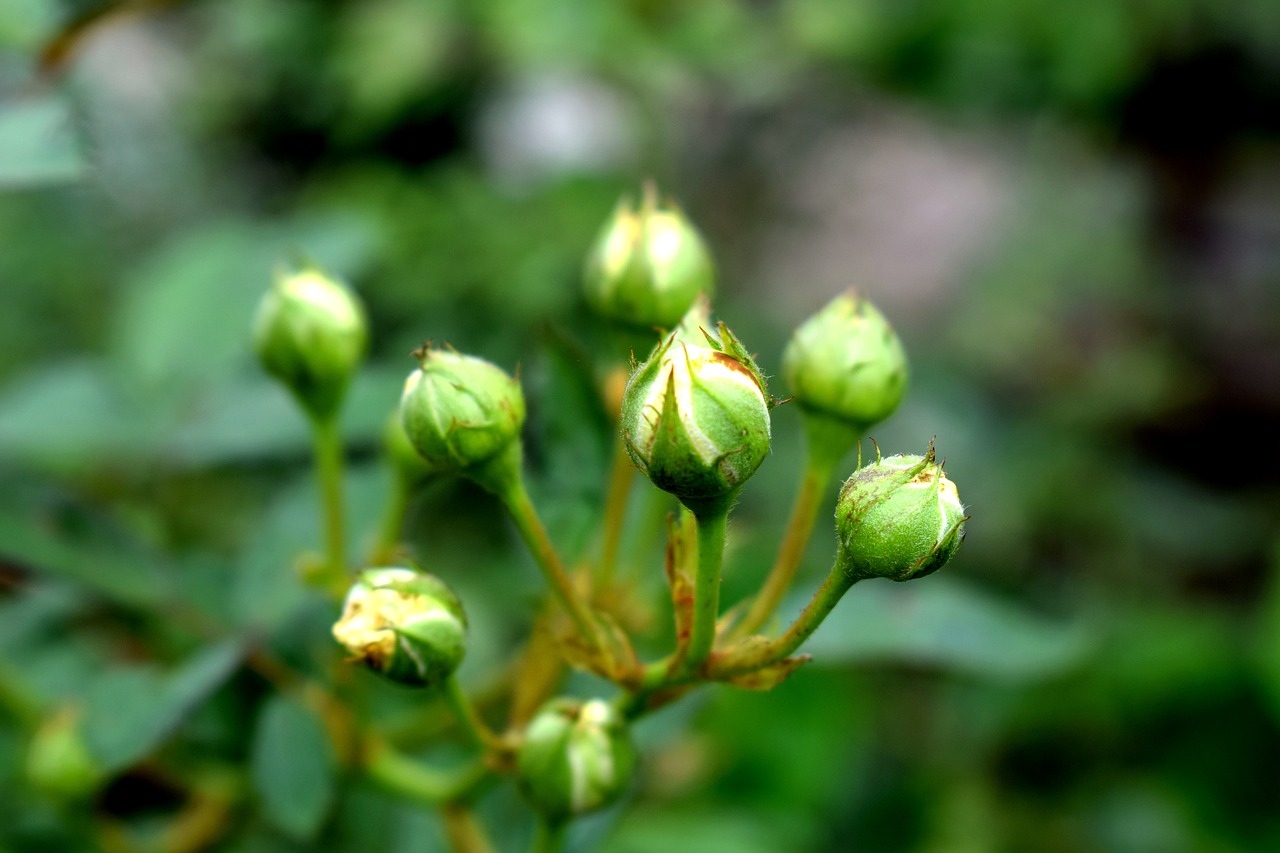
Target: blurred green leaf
(187,315)
(68,414)
(255,418)
(293,767)
(1267,635)
(38,143)
(33,611)
(102,564)
(131,711)
(946,623)
(651,831)
(268,590)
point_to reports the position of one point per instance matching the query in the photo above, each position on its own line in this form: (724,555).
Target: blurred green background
(1071,213)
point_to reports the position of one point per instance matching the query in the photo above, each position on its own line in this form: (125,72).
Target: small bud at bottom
(577,757)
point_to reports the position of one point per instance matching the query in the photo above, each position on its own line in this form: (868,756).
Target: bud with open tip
(404,624)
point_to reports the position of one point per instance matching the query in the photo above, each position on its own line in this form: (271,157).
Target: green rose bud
(461,413)
(310,333)
(695,418)
(404,624)
(846,363)
(648,265)
(898,518)
(577,757)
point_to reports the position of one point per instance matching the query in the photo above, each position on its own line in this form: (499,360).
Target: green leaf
(293,767)
(656,831)
(186,317)
(66,415)
(943,622)
(26,23)
(100,563)
(131,711)
(214,431)
(268,590)
(38,142)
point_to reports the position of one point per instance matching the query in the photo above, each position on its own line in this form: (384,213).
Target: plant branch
(328,460)
(525,516)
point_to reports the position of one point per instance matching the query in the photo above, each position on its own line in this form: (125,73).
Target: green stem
(464,831)
(827,441)
(706,586)
(803,515)
(470,721)
(525,516)
(328,456)
(820,606)
(391,530)
(549,836)
(416,781)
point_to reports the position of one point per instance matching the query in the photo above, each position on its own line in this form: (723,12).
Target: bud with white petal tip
(898,518)
(648,265)
(404,624)
(695,418)
(577,757)
(310,333)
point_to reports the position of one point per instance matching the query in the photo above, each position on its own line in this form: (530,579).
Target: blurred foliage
(1098,670)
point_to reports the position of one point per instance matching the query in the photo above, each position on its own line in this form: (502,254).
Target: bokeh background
(1071,213)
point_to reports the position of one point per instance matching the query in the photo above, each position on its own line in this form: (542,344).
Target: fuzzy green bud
(310,333)
(647,265)
(404,624)
(898,518)
(695,418)
(59,762)
(577,757)
(461,413)
(846,363)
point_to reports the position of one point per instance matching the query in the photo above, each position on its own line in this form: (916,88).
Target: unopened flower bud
(647,265)
(59,762)
(695,418)
(310,333)
(898,518)
(404,624)
(460,412)
(846,363)
(577,757)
